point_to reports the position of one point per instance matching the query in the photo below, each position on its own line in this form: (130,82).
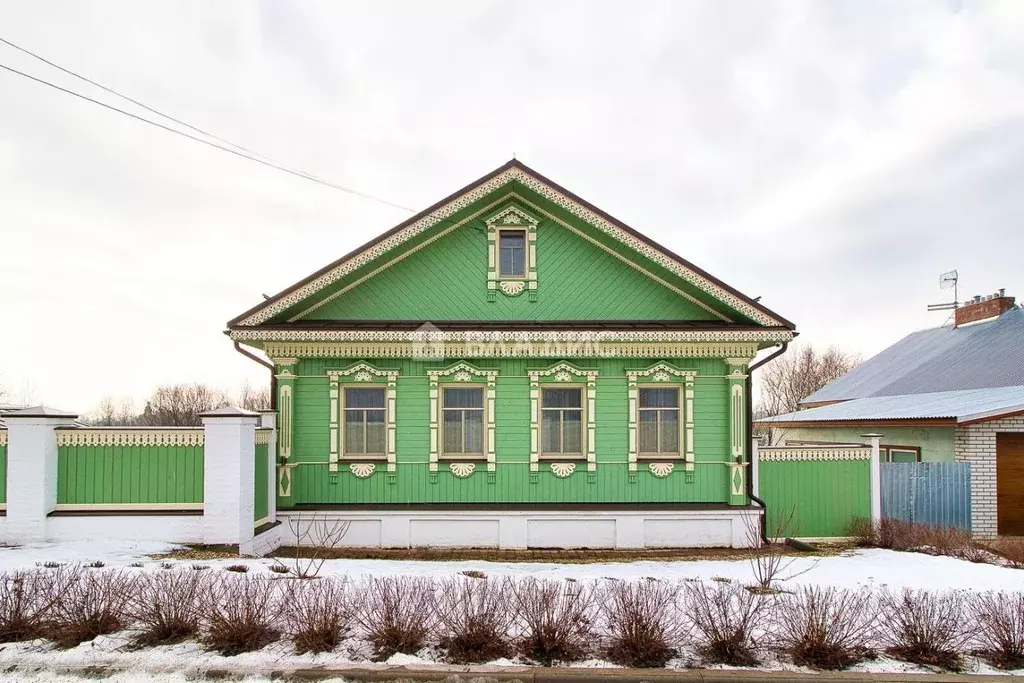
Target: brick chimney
(984,307)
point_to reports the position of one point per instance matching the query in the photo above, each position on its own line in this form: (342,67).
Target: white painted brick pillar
(268,418)
(876,476)
(32,469)
(228,475)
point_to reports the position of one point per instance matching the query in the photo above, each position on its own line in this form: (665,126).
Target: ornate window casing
(461,374)
(564,374)
(508,219)
(661,375)
(362,374)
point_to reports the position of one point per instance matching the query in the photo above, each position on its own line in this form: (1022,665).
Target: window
(562,421)
(658,421)
(900,454)
(463,409)
(365,422)
(512,253)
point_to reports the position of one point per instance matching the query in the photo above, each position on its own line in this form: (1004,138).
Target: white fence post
(228,476)
(32,469)
(876,476)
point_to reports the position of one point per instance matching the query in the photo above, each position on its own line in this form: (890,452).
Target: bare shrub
(1011,550)
(643,622)
(167,606)
(241,616)
(771,562)
(397,614)
(897,534)
(1000,628)
(318,614)
(474,618)
(315,536)
(863,532)
(26,600)
(726,617)
(825,628)
(558,619)
(94,603)
(278,568)
(925,627)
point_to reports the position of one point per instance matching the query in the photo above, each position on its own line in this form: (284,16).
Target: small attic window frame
(511,219)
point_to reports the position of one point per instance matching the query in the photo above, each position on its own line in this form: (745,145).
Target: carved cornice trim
(572,336)
(130,437)
(263,436)
(792,454)
(510,175)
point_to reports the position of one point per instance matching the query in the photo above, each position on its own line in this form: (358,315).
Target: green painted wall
(311,442)
(936,443)
(261,482)
(3,474)
(129,474)
(825,496)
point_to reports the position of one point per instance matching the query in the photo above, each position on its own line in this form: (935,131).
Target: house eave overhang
(513,171)
(878,423)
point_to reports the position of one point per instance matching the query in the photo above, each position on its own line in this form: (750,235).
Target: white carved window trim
(681,453)
(566,374)
(365,375)
(461,373)
(661,374)
(444,455)
(511,218)
(584,431)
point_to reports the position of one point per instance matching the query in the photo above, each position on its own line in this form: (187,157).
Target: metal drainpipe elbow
(269,366)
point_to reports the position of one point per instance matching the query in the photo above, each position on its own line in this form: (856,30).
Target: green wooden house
(514,367)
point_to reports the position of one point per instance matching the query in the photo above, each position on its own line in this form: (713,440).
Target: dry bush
(241,616)
(896,534)
(726,617)
(863,532)
(1011,550)
(397,613)
(474,616)
(825,628)
(558,619)
(643,622)
(318,614)
(92,603)
(949,541)
(26,600)
(168,606)
(1000,628)
(315,536)
(925,627)
(771,563)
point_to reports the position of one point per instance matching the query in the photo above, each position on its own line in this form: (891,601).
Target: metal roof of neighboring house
(976,356)
(961,406)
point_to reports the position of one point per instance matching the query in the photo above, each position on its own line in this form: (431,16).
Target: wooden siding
(261,482)
(313,483)
(3,474)
(98,475)
(448,281)
(824,496)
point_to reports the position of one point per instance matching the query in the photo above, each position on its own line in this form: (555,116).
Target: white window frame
(461,374)
(661,374)
(567,457)
(563,374)
(443,454)
(512,217)
(680,408)
(363,375)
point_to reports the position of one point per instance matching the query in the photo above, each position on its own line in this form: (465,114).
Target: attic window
(512,253)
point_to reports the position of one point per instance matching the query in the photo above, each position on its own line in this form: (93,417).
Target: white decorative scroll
(362,470)
(462,469)
(661,469)
(563,469)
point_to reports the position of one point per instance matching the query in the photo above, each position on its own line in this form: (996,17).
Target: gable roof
(954,406)
(513,171)
(977,356)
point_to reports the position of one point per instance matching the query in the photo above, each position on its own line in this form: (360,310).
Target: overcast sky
(831,157)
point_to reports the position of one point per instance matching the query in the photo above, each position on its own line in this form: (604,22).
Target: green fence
(261,481)
(823,488)
(3,467)
(159,469)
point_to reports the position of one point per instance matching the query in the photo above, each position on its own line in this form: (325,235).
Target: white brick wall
(976,444)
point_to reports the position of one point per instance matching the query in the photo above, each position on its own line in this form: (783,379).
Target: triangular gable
(512,172)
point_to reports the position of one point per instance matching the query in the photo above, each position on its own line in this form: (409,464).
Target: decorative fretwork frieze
(552,336)
(563,373)
(3,437)
(360,373)
(263,436)
(461,373)
(465,200)
(118,436)
(812,453)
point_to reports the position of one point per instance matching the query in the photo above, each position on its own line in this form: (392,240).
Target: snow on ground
(871,567)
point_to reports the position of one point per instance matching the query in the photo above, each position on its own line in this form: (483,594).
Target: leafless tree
(112,412)
(315,536)
(770,563)
(254,398)
(180,405)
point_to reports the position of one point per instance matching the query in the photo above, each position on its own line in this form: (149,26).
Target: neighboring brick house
(948,393)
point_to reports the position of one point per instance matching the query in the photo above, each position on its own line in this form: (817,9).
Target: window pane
(370,397)
(562,398)
(648,431)
(512,248)
(659,398)
(354,431)
(375,437)
(896,455)
(474,420)
(572,431)
(453,431)
(549,431)
(669,431)
(463,398)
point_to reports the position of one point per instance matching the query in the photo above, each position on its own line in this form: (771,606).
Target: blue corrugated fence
(928,492)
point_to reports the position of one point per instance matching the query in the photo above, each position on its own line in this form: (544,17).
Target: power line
(251,156)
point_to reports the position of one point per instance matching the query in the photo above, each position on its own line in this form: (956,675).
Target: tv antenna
(947,281)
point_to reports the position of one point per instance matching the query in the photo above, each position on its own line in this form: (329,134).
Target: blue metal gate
(927,492)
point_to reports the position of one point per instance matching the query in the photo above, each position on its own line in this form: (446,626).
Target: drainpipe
(269,366)
(750,436)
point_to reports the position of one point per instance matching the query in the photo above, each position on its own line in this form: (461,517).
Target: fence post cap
(229,411)
(39,411)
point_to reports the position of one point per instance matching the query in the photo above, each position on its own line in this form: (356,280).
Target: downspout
(269,366)
(750,436)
